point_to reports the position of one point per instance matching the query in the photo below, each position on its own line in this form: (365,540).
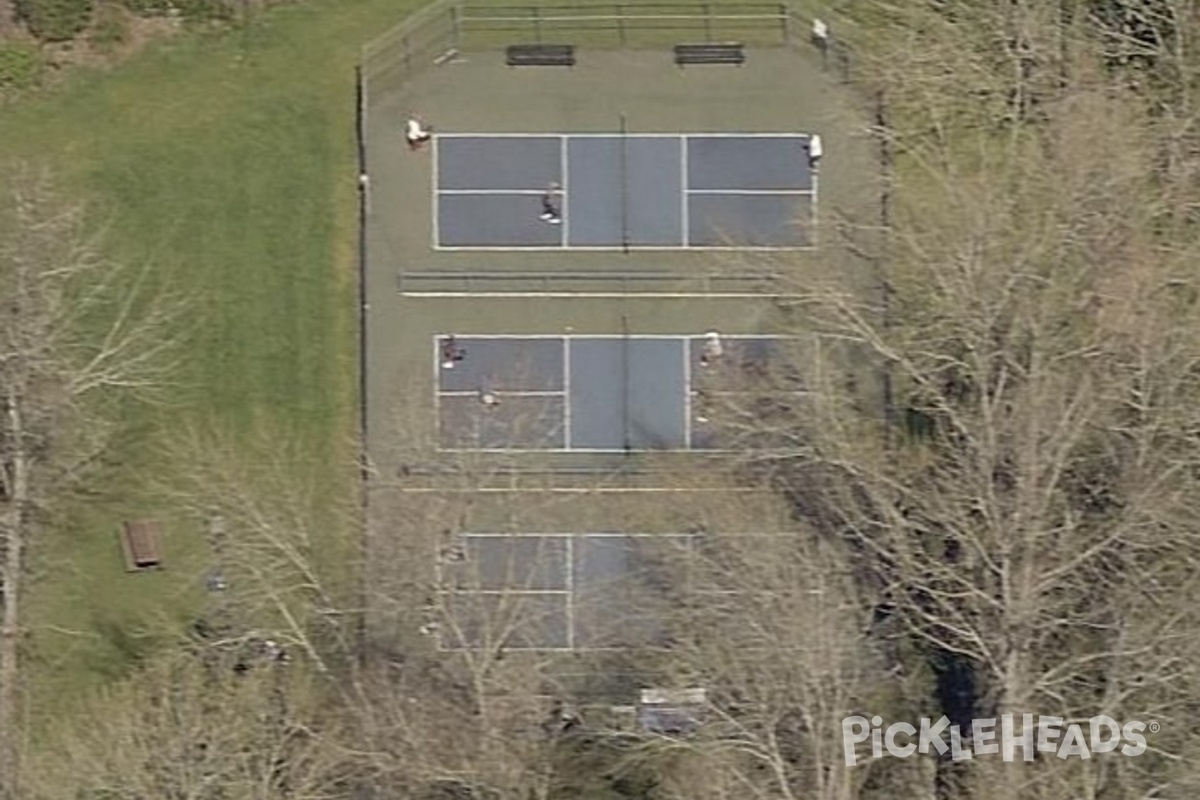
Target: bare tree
(74,330)
(184,728)
(1046,368)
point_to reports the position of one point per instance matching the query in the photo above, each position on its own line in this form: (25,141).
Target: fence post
(407,57)
(621,24)
(537,24)
(708,36)
(455,30)
(785,18)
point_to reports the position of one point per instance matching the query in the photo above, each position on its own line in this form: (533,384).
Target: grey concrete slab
(749,220)
(625,190)
(515,423)
(657,394)
(594,190)
(497,163)
(751,162)
(509,563)
(624,587)
(503,365)
(598,394)
(627,393)
(654,191)
(494,220)
(513,620)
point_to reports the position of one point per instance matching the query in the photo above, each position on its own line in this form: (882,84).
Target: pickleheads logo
(1045,734)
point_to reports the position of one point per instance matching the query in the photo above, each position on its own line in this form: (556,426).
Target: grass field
(227,163)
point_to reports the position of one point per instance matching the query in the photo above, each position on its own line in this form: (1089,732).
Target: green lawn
(225,161)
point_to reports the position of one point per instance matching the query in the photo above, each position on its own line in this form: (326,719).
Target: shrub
(188,9)
(148,7)
(55,20)
(206,9)
(20,65)
(110,29)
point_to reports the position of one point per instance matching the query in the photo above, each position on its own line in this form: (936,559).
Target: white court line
(450,192)
(585,535)
(502,392)
(813,211)
(585,450)
(570,584)
(566,369)
(564,212)
(687,393)
(619,248)
(583,490)
(769,192)
(467,337)
(506,592)
(433,193)
(594,135)
(437,385)
(683,193)
(608,295)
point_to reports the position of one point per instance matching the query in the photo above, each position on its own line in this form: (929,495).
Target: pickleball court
(591,393)
(619,192)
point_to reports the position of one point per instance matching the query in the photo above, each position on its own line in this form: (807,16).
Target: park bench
(140,544)
(540,55)
(709,53)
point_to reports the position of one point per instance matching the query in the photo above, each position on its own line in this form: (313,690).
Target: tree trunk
(8,19)
(10,583)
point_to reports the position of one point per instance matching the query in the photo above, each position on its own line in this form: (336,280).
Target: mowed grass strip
(226,163)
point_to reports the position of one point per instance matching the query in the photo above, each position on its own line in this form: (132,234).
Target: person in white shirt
(820,38)
(416,133)
(712,349)
(814,151)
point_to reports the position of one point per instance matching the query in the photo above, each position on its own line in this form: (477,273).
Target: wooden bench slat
(710,53)
(536,55)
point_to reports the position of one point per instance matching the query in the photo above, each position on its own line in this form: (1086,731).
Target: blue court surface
(558,591)
(595,393)
(643,191)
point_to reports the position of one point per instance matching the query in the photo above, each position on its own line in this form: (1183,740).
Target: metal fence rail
(578,284)
(447,27)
